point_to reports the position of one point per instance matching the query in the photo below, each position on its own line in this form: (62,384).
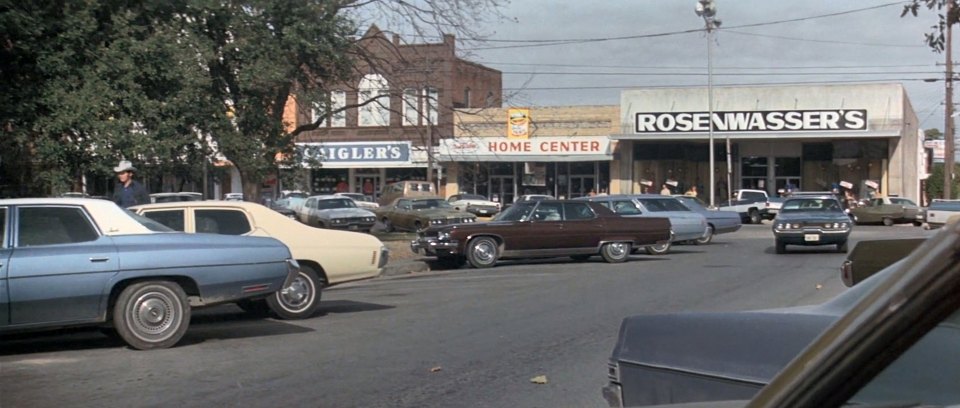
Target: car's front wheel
(152,314)
(300,299)
(754,216)
(888,221)
(615,252)
(707,237)
(660,249)
(483,252)
(387,225)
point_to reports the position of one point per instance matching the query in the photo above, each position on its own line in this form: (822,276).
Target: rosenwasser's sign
(830,120)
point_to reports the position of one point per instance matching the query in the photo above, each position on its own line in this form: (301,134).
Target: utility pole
(948,132)
(708,10)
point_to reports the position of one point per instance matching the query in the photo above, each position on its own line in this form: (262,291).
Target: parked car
(718,222)
(474,204)
(363,201)
(772,207)
(326,257)
(410,188)
(939,211)
(174,197)
(282,209)
(73,262)
(233,197)
(417,213)
(533,197)
(750,204)
(811,220)
(889,341)
(294,204)
(887,210)
(685,225)
(577,229)
(336,212)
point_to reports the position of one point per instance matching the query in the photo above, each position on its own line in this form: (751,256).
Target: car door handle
(103,259)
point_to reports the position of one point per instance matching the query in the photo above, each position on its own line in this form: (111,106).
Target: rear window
(945,205)
(226,222)
(625,207)
(53,226)
(170,219)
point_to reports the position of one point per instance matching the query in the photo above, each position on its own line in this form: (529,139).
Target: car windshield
(355,196)
(332,204)
(429,203)
(811,204)
(692,202)
(146,222)
(662,204)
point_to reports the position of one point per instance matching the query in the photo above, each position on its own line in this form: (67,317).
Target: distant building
(414,90)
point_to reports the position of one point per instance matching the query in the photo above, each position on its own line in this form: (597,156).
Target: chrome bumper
(613,396)
(429,246)
(384,257)
(293,270)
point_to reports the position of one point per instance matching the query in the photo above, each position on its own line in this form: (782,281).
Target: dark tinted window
(337,203)
(516,212)
(173,219)
(53,225)
(752,196)
(3,227)
(577,211)
(227,222)
(811,204)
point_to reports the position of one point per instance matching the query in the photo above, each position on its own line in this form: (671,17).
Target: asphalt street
(460,338)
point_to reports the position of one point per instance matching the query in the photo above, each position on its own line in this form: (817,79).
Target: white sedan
(475,204)
(326,257)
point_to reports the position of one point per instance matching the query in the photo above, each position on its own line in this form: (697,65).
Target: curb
(404,268)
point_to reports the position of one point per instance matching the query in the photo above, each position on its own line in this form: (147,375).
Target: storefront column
(452,186)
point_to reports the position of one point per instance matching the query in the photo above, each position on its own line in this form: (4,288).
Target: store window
(329,181)
(753,172)
(404,174)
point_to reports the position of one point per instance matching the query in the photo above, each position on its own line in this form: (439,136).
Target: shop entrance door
(580,186)
(501,189)
(368,185)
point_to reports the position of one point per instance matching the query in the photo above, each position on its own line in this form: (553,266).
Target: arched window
(375,96)
(337,117)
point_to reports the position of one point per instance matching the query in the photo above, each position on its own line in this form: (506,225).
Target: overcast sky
(875,41)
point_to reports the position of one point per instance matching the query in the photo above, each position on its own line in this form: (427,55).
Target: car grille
(356,219)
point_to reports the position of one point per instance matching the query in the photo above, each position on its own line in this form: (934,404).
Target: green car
(417,213)
(887,210)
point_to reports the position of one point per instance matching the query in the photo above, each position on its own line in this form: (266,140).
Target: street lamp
(708,10)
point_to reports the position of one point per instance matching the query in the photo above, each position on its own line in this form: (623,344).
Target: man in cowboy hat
(128,192)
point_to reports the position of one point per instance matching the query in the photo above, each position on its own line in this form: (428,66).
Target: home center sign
(829,120)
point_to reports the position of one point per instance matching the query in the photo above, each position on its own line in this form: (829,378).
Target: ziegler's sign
(357,152)
(753,121)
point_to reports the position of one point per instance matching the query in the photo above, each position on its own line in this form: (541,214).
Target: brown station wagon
(542,229)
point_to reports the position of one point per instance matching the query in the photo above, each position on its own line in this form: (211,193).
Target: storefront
(503,169)
(858,137)
(361,167)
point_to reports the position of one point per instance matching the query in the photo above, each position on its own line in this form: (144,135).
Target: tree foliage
(936,37)
(171,84)
(934,183)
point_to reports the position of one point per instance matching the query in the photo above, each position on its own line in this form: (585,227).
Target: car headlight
(782,226)
(338,220)
(436,222)
(796,225)
(369,219)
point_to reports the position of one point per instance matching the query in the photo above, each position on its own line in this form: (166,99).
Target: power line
(701,67)
(647,86)
(547,43)
(780,37)
(719,74)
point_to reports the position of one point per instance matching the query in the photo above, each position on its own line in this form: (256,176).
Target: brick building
(382,122)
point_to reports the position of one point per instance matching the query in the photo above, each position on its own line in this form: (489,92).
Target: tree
(934,183)
(932,134)
(935,38)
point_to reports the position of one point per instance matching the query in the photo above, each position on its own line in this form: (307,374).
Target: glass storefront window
(329,181)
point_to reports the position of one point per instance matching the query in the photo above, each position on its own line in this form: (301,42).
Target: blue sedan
(685,225)
(718,222)
(74,262)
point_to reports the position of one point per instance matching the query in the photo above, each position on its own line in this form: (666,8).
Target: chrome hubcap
(617,249)
(297,296)
(484,252)
(153,314)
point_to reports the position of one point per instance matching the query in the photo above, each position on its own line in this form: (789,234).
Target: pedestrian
(692,192)
(368,187)
(342,186)
(592,193)
(128,192)
(665,190)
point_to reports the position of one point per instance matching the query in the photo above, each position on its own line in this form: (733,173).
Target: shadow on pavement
(348,306)
(800,250)
(204,326)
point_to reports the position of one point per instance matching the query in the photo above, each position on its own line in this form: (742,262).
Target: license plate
(811,237)
(482,211)
(354,227)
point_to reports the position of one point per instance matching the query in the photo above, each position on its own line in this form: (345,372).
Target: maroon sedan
(543,229)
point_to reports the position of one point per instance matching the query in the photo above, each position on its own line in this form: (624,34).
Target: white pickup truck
(940,211)
(750,204)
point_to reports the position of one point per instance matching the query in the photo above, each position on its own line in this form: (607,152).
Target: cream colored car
(326,257)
